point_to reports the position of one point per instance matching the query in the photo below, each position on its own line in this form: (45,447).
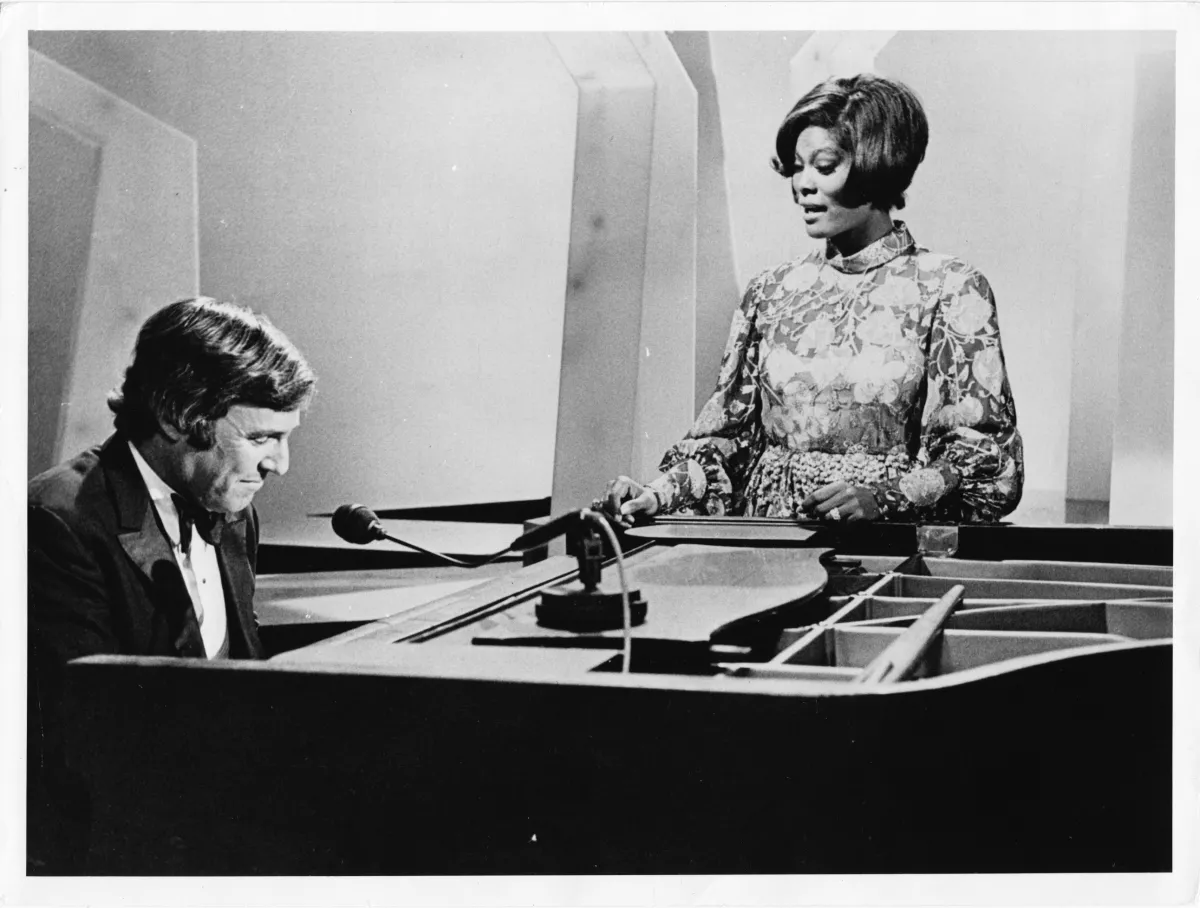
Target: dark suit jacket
(103,579)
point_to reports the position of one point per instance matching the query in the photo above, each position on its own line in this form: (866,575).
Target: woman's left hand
(842,501)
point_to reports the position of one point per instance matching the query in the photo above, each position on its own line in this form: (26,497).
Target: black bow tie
(206,523)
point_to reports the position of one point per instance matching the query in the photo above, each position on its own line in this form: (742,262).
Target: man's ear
(170,432)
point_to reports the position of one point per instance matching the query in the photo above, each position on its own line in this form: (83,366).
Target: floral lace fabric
(883,369)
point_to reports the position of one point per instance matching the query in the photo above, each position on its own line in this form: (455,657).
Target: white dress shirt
(201,572)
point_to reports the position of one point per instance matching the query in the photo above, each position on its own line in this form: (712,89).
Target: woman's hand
(842,501)
(624,498)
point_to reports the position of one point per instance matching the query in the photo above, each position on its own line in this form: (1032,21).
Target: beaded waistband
(817,468)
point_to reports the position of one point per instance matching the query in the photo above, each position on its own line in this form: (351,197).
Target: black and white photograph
(600,453)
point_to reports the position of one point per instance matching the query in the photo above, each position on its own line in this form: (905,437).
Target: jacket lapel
(147,546)
(237,574)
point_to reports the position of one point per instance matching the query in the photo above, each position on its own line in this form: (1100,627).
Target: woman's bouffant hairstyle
(878,121)
(197,358)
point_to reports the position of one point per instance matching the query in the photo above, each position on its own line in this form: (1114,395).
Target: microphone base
(573,608)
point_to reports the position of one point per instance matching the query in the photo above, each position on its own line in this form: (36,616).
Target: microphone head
(357,523)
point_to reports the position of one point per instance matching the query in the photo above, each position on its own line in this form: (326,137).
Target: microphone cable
(360,525)
(587,514)
(450,558)
(626,611)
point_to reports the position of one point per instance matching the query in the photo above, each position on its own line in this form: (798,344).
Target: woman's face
(822,168)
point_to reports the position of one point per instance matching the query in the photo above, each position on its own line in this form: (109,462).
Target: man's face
(250,443)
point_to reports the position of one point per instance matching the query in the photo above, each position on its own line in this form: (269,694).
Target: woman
(865,380)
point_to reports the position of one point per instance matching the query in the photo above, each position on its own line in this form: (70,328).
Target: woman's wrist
(921,489)
(873,494)
(665,490)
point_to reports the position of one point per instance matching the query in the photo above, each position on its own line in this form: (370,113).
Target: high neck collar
(896,242)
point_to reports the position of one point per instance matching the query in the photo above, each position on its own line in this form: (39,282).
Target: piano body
(1031,733)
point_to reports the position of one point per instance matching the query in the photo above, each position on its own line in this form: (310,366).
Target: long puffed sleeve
(706,472)
(969,466)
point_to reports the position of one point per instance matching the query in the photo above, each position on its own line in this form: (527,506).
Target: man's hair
(197,358)
(878,121)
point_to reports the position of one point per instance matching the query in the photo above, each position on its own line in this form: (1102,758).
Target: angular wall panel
(605,271)
(665,395)
(64,173)
(717,290)
(1144,436)
(626,386)
(142,251)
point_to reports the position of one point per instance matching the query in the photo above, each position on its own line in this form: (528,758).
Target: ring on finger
(835,514)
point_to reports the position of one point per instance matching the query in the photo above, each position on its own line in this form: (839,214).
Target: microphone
(582,606)
(358,524)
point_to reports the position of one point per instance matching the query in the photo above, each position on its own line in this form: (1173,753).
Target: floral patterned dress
(882,368)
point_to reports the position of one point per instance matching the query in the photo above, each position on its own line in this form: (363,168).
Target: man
(146,544)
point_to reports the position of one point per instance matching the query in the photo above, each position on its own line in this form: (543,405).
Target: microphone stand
(584,605)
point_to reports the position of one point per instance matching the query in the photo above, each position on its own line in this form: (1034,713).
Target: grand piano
(795,699)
